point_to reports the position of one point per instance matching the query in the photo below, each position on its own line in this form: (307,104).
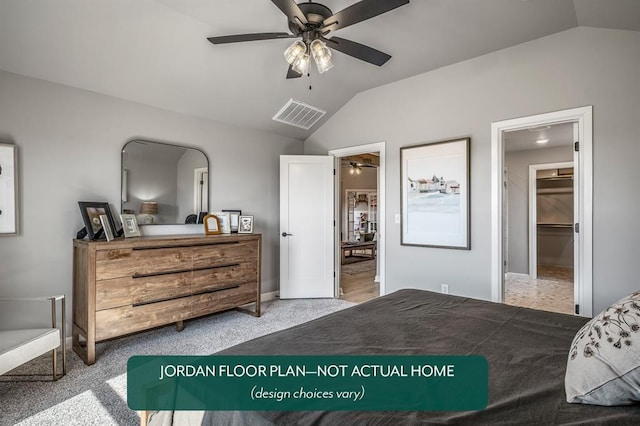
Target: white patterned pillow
(604,361)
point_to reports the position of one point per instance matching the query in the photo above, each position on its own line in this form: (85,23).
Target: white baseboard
(376,279)
(516,275)
(265,297)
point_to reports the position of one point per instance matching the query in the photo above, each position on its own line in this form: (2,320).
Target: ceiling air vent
(299,114)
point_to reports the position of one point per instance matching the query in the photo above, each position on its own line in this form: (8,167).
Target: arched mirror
(162,183)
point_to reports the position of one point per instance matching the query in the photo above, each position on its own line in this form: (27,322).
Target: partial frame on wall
(435,194)
(8,189)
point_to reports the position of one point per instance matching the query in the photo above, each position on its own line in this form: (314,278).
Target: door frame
(533,212)
(381,233)
(583,116)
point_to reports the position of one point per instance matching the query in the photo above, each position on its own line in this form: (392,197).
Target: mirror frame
(124,180)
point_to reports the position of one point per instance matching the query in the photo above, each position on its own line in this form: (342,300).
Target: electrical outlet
(397,218)
(445,289)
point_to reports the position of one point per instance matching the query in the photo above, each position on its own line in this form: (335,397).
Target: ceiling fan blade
(361,11)
(248,37)
(357,50)
(293,74)
(293,12)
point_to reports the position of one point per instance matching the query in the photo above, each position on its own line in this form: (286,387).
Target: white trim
(197,201)
(265,297)
(517,275)
(533,211)
(381,233)
(584,117)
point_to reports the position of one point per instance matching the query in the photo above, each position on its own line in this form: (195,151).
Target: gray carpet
(96,395)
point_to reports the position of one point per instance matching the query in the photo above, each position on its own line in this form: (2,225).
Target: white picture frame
(106,227)
(130,225)
(8,189)
(245,224)
(225,222)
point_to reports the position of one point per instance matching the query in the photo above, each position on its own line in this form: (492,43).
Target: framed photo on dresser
(91,212)
(130,225)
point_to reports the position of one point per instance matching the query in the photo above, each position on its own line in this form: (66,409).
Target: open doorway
(581,120)
(539,217)
(358,227)
(360,222)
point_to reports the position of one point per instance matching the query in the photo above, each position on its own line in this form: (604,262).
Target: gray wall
(158,176)
(581,66)
(518,202)
(69,143)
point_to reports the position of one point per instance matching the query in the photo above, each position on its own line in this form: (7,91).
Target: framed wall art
(435,194)
(245,224)
(8,189)
(91,212)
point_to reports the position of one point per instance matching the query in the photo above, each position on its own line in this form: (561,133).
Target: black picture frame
(201,216)
(91,211)
(234,215)
(435,188)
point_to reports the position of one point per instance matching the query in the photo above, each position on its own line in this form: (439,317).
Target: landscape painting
(435,194)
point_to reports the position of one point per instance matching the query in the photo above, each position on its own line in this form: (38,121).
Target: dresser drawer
(222,300)
(132,291)
(231,252)
(136,262)
(129,319)
(213,278)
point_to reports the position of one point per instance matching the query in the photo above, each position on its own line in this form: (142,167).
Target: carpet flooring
(97,394)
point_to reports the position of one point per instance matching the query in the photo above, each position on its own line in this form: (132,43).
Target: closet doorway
(539,209)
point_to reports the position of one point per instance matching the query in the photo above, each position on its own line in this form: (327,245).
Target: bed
(526,351)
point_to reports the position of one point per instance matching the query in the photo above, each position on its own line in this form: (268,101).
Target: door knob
(284,234)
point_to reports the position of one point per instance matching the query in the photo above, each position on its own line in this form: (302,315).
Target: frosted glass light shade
(294,51)
(321,55)
(301,64)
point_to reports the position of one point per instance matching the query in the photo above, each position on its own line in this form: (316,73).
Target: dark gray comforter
(526,350)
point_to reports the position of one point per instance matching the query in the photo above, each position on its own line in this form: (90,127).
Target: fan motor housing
(315,13)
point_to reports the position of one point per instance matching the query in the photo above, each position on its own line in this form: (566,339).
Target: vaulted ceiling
(155,51)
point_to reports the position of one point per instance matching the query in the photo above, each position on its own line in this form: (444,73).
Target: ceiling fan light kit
(312,22)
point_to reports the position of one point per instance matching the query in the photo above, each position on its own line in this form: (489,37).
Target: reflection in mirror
(163,183)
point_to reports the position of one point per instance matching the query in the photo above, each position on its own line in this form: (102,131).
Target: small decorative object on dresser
(245,224)
(104,221)
(91,212)
(130,225)
(130,285)
(211,225)
(225,221)
(233,219)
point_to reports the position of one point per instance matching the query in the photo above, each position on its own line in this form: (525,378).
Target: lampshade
(296,49)
(149,207)
(301,64)
(321,55)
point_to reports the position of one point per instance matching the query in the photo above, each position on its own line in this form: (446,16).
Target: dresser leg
(180,325)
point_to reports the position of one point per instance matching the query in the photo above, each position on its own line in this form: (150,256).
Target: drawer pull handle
(229,287)
(181,271)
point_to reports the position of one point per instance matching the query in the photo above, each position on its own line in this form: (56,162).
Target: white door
(306,226)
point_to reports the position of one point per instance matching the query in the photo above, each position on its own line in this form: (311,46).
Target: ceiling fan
(312,22)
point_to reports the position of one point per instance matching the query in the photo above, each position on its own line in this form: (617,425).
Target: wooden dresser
(134,284)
